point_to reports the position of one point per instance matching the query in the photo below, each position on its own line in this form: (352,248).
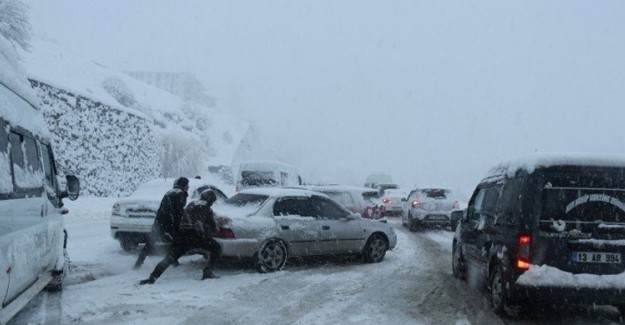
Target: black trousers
(154,237)
(185,241)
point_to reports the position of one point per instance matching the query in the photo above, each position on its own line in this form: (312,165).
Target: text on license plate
(595,257)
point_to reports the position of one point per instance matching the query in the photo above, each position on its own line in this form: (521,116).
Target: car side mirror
(72,188)
(465,214)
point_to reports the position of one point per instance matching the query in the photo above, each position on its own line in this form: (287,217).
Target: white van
(266,174)
(32,234)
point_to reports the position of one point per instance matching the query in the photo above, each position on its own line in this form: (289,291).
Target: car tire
(271,256)
(499,292)
(413,225)
(375,249)
(457,263)
(129,245)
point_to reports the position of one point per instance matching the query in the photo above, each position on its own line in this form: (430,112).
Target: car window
(48,165)
(435,193)
(336,196)
(6,179)
(293,207)
(348,201)
(477,203)
(326,209)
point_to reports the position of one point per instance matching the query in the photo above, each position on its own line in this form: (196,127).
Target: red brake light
(523,253)
(225,233)
(386,201)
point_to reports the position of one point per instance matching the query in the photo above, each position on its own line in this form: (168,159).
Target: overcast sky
(432,92)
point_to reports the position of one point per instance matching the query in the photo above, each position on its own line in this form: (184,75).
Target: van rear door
(581,226)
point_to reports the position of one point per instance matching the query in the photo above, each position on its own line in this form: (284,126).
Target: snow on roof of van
(341,188)
(277,192)
(531,163)
(17,100)
(264,164)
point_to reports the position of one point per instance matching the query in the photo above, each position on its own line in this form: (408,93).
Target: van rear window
(6,179)
(585,203)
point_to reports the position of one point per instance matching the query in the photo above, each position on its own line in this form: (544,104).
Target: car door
(297,225)
(476,234)
(29,210)
(6,221)
(338,234)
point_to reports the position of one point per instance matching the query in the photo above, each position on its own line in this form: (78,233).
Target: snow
(56,65)
(241,296)
(6,183)
(544,275)
(601,243)
(277,192)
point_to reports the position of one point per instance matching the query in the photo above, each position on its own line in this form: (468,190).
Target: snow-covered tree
(14,22)
(182,155)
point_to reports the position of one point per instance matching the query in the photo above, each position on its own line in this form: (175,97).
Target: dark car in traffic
(547,230)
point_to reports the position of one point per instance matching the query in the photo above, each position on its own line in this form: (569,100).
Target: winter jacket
(170,211)
(198,216)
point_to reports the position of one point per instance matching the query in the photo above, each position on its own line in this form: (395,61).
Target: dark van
(547,230)
(32,234)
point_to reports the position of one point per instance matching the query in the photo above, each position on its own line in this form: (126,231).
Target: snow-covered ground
(412,285)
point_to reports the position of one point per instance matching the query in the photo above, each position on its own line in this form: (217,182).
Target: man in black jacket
(196,231)
(167,218)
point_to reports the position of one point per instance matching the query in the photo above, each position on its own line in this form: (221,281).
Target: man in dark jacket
(167,218)
(196,231)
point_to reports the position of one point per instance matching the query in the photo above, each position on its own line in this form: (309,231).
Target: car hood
(138,201)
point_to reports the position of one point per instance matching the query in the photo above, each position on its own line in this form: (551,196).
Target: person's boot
(149,280)
(209,275)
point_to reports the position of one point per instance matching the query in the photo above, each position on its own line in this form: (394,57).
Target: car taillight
(225,233)
(225,228)
(523,253)
(386,201)
(116,209)
(415,203)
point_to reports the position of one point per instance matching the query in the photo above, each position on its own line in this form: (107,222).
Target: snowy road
(413,285)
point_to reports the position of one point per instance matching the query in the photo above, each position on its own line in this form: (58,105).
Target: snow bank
(544,275)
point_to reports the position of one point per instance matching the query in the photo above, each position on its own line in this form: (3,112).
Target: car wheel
(375,249)
(413,225)
(498,292)
(129,245)
(457,263)
(271,256)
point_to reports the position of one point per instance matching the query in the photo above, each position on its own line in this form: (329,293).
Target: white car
(394,200)
(132,217)
(429,207)
(273,224)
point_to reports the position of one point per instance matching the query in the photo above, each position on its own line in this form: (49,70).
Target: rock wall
(111,150)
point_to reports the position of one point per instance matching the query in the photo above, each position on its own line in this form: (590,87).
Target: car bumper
(431,217)
(567,295)
(392,240)
(120,225)
(239,248)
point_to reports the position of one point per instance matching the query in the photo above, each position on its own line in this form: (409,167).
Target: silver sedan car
(272,224)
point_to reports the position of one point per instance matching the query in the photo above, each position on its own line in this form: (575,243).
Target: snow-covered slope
(187,137)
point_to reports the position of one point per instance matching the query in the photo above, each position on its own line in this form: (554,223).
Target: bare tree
(14,22)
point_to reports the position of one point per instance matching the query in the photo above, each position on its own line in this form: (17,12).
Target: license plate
(595,257)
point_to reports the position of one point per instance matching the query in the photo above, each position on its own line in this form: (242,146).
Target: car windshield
(257,178)
(435,193)
(245,199)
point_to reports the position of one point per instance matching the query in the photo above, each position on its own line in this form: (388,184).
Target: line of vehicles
(544,231)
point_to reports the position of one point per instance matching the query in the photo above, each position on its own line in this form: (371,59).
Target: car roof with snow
(531,163)
(156,188)
(341,188)
(279,191)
